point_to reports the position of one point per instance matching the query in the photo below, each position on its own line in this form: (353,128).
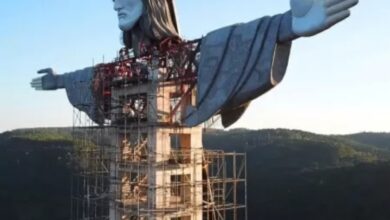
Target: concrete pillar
(174,173)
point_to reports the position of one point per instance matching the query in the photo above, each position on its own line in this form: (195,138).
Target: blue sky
(337,82)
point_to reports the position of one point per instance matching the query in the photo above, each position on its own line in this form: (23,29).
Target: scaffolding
(143,164)
(90,177)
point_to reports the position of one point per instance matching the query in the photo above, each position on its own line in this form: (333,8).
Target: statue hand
(46,82)
(310,17)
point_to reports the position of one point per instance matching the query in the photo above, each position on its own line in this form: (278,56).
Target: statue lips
(122,15)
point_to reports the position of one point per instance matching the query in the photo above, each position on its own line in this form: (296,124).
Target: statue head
(146,21)
(129,12)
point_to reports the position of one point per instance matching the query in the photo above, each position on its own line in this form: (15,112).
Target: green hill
(35,175)
(300,175)
(296,150)
(378,140)
(291,174)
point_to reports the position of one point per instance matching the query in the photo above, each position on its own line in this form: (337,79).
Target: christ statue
(236,64)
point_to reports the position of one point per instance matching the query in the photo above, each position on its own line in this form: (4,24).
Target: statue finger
(36,80)
(334,19)
(33,84)
(342,6)
(330,3)
(46,71)
(37,86)
(301,7)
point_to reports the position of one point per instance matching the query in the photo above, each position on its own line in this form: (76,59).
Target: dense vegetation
(298,175)
(35,175)
(292,174)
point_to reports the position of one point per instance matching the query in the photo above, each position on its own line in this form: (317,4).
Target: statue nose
(117,5)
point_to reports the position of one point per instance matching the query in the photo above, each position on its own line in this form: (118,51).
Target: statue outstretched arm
(78,86)
(52,81)
(239,63)
(310,17)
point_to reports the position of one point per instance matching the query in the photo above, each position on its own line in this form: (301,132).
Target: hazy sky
(337,82)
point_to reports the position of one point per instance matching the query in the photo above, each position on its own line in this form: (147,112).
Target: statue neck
(138,40)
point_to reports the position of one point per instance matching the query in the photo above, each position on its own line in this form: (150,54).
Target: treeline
(291,174)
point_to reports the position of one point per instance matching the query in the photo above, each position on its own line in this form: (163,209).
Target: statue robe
(238,64)
(78,86)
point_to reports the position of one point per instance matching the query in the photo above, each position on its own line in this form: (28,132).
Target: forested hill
(379,140)
(304,176)
(293,149)
(291,174)
(35,174)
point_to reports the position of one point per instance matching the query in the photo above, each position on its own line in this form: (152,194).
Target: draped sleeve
(78,86)
(237,64)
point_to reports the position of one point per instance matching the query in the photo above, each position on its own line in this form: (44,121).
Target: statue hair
(157,22)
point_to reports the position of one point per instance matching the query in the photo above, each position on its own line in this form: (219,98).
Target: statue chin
(126,25)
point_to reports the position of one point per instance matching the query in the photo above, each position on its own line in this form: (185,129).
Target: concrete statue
(236,64)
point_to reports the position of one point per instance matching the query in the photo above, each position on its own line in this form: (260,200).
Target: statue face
(129,11)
